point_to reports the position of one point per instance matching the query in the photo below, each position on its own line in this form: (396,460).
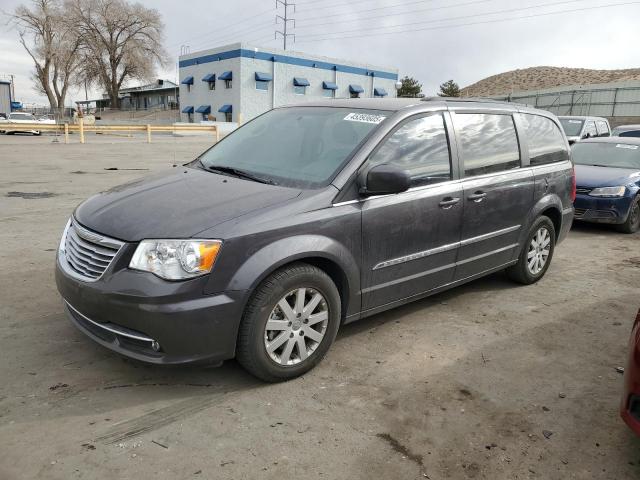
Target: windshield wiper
(238,172)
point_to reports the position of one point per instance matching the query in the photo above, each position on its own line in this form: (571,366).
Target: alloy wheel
(539,249)
(296,326)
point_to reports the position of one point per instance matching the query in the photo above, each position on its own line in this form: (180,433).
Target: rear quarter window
(546,142)
(603,128)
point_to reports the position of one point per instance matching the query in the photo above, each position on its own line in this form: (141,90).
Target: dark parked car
(626,131)
(608,182)
(577,128)
(630,404)
(312,216)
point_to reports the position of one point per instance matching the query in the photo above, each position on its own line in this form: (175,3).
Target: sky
(430,40)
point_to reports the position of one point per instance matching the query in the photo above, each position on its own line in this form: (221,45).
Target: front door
(410,240)
(498,192)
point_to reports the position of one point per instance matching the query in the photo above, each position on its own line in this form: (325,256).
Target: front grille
(583,190)
(88,254)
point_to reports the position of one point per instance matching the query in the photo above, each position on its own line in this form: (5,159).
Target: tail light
(573,185)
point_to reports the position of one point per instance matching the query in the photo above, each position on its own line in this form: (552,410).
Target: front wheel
(536,255)
(632,224)
(289,324)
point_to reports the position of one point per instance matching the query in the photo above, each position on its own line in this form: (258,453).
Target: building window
(227,117)
(262,85)
(227,83)
(354,95)
(328,93)
(298,90)
(212,85)
(188,87)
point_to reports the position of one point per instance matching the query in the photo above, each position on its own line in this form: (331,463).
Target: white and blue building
(237,82)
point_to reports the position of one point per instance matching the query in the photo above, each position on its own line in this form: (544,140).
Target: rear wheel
(289,323)
(632,224)
(536,255)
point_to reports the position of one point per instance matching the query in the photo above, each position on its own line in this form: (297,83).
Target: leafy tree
(410,88)
(449,89)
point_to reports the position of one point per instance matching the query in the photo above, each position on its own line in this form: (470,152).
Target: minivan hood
(592,177)
(176,205)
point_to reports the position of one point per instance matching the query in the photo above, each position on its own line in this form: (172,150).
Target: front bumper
(630,404)
(602,210)
(126,311)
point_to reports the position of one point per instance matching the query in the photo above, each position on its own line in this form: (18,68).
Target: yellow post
(148,133)
(239,118)
(81,125)
(66,132)
(217,134)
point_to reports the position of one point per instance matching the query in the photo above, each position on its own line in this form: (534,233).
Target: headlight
(608,192)
(176,259)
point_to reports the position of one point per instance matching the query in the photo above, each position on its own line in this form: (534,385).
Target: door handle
(477,196)
(448,202)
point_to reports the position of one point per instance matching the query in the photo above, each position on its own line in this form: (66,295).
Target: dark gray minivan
(311,216)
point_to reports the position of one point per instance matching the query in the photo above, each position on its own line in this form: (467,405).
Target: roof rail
(462,99)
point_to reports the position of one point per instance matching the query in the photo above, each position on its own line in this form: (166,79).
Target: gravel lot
(491,380)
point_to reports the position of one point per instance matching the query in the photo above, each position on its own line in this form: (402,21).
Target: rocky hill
(536,78)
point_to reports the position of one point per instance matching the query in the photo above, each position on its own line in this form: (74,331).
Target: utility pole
(285,21)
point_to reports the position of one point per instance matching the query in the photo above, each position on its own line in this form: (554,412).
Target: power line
(414,2)
(387,15)
(460,17)
(217,32)
(444,27)
(237,34)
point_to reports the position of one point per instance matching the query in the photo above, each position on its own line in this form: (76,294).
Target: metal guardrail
(82,129)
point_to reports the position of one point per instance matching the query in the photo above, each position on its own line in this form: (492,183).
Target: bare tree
(53,45)
(121,41)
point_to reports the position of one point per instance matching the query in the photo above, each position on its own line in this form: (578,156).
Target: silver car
(578,128)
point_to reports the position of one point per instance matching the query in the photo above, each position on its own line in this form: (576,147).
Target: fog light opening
(156,346)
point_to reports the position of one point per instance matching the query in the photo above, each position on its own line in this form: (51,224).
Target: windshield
(617,155)
(571,126)
(301,147)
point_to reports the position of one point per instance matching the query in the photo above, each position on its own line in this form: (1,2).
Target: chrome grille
(582,190)
(88,254)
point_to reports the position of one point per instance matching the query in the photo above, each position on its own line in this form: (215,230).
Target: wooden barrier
(81,128)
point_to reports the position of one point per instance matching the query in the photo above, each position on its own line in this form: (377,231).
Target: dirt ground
(487,381)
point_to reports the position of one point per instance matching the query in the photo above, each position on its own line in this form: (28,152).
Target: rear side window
(419,147)
(603,128)
(489,142)
(590,128)
(546,142)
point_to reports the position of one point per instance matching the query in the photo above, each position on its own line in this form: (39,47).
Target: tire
(522,272)
(632,223)
(285,361)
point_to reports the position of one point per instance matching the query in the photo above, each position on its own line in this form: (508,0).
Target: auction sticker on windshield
(365,118)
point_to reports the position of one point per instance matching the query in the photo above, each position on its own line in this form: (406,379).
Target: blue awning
(380,92)
(226,76)
(300,82)
(329,86)
(209,77)
(225,108)
(188,109)
(204,109)
(356,89)
(187,81)
(263,77)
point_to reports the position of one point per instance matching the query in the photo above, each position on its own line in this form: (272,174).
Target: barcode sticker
(364,118)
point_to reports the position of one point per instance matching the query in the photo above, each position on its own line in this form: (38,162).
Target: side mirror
(586,135)
(384,179)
